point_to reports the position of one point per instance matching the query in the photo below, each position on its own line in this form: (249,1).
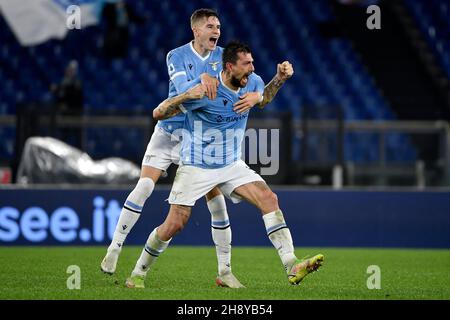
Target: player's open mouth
(245,77)
(213,41)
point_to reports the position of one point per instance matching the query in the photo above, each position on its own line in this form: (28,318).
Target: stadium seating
(433,19)
(329,72)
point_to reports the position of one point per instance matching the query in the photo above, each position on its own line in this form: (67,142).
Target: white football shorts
(191,183)
(162,150)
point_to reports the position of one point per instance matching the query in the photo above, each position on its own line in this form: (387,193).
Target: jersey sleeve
(258,84)
(193,104)
(177,73)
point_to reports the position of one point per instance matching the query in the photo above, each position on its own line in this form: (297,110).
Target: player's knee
(175,226)
(268,198)
(165,231)
(145,187)
(272,198)
(218,208)
(178,219)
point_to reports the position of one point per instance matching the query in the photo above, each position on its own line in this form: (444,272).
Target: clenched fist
(284,70)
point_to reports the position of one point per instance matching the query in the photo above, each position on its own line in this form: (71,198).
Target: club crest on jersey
(214,65)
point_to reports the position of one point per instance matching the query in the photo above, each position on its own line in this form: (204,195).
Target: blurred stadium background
(364,122)
(390,87)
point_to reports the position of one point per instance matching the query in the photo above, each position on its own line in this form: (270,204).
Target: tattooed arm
(171,106)
(284,72)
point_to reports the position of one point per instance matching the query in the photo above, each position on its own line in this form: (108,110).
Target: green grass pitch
(187,273)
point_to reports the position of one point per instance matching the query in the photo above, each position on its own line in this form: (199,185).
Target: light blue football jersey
(213,132)
(185,66)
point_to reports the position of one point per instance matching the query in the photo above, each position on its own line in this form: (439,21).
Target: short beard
(235,82)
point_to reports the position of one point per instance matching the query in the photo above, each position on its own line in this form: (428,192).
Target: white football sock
(221,232)
(131,212)
(153,248)
(281,238)
(126,221)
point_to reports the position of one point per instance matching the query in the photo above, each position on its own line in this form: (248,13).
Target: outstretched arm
(250,99)
(171,106)
(284,72)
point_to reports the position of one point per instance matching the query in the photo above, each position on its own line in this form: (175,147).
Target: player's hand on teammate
(197,92)
(211,84)
(284,70)
(247,101)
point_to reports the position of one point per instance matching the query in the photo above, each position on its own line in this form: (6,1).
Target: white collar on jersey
(221,81)
(196,53)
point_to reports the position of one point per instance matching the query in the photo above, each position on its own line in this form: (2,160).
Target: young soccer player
(207,162)
(199,61)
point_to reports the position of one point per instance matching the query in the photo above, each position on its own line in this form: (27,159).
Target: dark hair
(231,50)
(203,13)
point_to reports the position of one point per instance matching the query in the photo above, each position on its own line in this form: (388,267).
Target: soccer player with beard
(210,157)
(197,62)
